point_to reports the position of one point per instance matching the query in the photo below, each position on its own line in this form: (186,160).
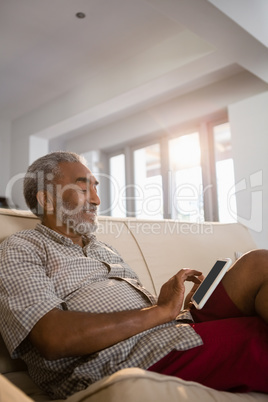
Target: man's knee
(243,281)
(256,260)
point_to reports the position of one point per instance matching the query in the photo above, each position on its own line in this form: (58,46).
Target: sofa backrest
(168,246)
(156,249)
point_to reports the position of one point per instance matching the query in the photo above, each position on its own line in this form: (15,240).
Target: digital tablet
(210,282)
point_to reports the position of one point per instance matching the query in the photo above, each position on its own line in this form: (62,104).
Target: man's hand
(172,292)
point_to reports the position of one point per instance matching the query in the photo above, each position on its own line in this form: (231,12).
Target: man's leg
(246,283)
(234,356)
(227,331)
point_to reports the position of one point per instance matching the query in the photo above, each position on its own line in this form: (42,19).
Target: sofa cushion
(134,385)
(23,381)
(168,246)
(131,385)
(10,393)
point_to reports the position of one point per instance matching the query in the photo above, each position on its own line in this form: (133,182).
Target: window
(189,177)
(117,186)
(186,185)
(148,182)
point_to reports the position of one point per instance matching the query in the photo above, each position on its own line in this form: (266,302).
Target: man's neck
(64,231)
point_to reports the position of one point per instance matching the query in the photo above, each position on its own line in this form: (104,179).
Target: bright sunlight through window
(186,196)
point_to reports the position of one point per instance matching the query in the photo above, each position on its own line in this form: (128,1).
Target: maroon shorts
(234,356)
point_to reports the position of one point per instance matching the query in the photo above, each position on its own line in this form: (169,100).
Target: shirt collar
(59,238)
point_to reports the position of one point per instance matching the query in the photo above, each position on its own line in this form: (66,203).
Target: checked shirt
(41,270)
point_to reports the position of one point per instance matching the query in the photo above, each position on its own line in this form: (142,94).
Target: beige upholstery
(10,393)
(155,250)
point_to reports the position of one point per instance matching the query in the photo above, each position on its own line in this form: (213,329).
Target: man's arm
(61,334)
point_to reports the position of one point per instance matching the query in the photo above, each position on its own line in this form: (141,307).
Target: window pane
(186,178)
(148,183)
(225,173)
(117,186)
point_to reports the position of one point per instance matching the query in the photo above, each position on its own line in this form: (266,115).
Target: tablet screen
(207,282)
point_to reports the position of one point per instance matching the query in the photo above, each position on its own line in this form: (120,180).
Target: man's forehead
(76,172)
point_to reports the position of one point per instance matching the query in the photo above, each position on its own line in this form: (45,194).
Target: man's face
(76,198)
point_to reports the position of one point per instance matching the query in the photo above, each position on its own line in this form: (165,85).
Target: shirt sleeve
(26,292)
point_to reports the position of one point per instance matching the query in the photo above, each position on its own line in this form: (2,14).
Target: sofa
(155,250)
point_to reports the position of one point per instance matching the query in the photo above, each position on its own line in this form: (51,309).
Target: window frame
(204,127)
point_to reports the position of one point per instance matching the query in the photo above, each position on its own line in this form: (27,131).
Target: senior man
(74,311)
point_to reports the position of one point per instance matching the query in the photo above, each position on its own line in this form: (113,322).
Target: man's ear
(45,200)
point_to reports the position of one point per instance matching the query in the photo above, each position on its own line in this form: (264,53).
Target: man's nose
(93,198)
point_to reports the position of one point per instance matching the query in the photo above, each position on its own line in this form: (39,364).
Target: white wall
(249,126)
(20,159)
(166,117)
(38,147)
(5,134)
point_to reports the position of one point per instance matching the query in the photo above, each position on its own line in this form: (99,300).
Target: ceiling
(124,54)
